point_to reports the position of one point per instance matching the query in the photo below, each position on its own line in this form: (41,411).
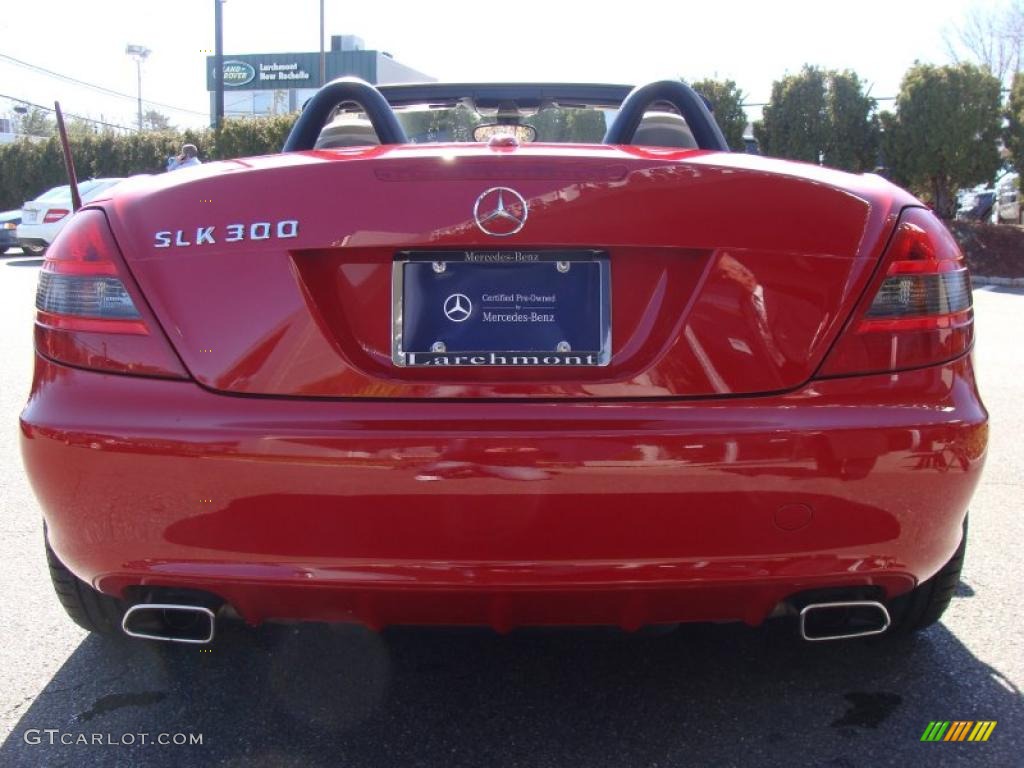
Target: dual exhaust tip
(843,620)
(196,624)
(170,622)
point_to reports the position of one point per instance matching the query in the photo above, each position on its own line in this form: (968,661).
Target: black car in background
(9,221)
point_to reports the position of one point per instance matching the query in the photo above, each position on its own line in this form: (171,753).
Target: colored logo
(238,73)
(958,730)
(458,307)
(500,211)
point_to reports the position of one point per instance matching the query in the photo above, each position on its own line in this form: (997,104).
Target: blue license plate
(501,308)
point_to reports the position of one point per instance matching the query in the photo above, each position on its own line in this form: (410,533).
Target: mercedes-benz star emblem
(458,307)
(500,211)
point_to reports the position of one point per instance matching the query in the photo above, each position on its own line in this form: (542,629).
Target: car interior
(666,114)
(657,129)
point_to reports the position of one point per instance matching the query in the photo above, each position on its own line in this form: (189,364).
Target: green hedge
(29,168)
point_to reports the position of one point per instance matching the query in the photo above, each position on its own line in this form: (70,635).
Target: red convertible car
(504,355)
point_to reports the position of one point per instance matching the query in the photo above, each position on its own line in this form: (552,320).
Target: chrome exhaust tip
(855,618)
(170,622)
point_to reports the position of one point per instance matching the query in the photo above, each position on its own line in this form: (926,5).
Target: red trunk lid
(729,274)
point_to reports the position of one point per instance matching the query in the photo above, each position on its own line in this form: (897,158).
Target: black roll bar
(691,106)
(318,109)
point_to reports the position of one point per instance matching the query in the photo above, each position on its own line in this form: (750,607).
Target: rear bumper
(505,513)
(33,242)
(39,235)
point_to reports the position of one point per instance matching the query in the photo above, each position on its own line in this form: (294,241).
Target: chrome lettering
(494,358)
(205,235)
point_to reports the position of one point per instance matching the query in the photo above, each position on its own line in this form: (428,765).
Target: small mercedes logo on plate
(458,307)
(500,211)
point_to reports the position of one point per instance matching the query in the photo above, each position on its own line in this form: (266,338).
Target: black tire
(88,608)
(925,604)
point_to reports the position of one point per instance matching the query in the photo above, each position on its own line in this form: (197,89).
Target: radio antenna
(69,161)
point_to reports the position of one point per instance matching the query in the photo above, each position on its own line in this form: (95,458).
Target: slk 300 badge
(232,233)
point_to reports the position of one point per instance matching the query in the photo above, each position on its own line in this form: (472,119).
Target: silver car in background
(1007,207)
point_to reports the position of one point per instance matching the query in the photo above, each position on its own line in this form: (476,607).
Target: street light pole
(138,78)
(218,63)
(323,62)
(139,53)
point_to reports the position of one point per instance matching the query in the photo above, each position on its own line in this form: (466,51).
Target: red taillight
(54,215)
(90,313)
(917,312)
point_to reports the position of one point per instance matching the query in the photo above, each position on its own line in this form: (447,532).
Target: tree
(455,124)
(727,105)
(77,127)
(821,116)
(549,123)
(36,122)
(853,138)
(585,126)
(795,120)
(247,136)
(990,37)
(155,121)
(945,131)
(1013,133)
(568,124)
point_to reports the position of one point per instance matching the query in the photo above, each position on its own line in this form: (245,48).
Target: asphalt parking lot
(701,696)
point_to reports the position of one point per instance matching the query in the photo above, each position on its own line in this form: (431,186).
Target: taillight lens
(89,312)
(86,296)
(917,312)
(54,215)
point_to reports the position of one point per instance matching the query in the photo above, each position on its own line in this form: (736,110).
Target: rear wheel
(88,608)
(924,605)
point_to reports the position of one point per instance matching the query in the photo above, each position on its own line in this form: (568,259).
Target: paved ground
(704,696)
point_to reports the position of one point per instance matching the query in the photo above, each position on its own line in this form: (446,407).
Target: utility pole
(323,59)
(218,63)
(139,53)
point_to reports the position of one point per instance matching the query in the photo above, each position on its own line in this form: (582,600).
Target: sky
(752,43)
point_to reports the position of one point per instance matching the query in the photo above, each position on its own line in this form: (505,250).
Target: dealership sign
(283,72)
(288,74)
(287,71)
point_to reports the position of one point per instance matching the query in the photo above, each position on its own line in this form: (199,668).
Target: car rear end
(41,221)
(277,403)
(9,230)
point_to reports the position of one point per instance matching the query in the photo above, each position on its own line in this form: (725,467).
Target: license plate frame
(573,272)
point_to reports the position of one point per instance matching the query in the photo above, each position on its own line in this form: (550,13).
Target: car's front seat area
(664,129)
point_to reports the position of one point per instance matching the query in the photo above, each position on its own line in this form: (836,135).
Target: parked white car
(44,217)
(1008,208)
